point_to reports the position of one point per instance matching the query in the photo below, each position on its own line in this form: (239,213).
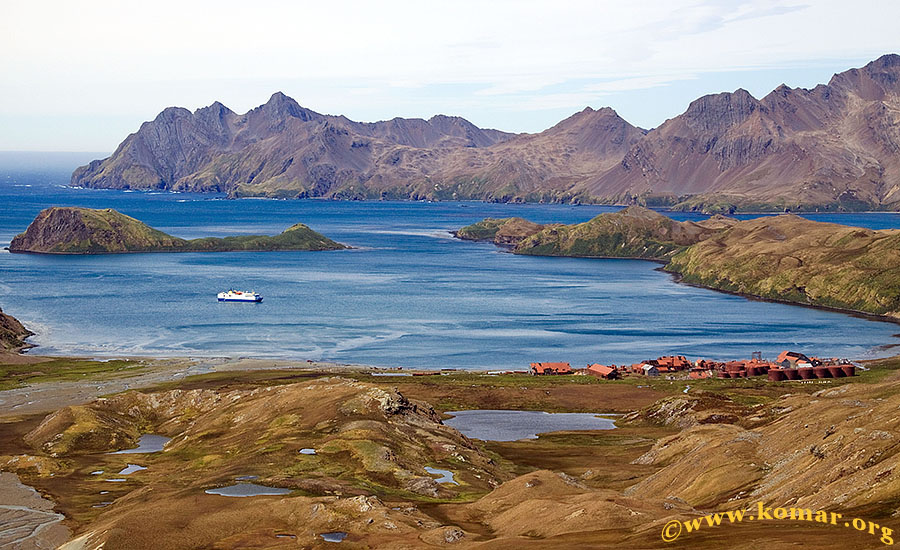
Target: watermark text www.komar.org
(674,529)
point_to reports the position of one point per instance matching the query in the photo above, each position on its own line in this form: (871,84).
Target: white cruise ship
(239,296)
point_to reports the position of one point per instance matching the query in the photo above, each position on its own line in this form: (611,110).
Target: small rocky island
(72,230)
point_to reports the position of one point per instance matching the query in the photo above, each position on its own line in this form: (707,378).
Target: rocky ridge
(833,147)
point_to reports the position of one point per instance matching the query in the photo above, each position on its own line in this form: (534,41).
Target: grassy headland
(786,258)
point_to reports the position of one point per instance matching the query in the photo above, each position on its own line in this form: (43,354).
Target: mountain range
(832,147)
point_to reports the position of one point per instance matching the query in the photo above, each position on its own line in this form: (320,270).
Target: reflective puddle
(446,475)
(500,425)
(335,536)
(148,443)
(247,490)
(130,469)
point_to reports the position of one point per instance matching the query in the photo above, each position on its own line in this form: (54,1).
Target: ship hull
(239,296)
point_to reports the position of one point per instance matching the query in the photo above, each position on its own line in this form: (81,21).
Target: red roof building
(550,368)
(790,358)
(672,363)
(602,371)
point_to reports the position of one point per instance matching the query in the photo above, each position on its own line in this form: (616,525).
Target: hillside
(634,232)
(834,147)
(722,446)
(794,259)
(72,230)
(12,334)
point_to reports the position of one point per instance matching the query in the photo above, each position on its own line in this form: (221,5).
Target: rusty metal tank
(791,374)
(822,372)
(777,375)
(836,371)
(806,373)
(849,370)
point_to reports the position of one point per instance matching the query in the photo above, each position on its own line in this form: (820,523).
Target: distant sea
(409,294)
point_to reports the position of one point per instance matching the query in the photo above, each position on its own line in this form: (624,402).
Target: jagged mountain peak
(171,113)
(832,146)
(281,106)
(716,112)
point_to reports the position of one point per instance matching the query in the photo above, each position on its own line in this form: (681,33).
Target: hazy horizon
(517,66)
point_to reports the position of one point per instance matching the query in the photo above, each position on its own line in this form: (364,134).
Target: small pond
(148,443)
(446,475)
(501,425)
(247,490)
(130,469)
(335,536)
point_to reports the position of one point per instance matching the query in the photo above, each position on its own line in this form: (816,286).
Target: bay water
(408,294)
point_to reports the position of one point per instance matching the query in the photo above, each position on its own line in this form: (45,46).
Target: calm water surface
(148,443)
(407,295)
(508,425)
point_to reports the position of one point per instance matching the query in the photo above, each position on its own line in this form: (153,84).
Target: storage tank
(822,372)
(836,371)
(777,375)
(806,373)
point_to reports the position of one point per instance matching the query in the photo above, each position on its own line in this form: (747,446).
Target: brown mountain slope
(836,146)
(281,149)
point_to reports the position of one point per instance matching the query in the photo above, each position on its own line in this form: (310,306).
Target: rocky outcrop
(73,230)
(834,147)
(12,334)
(502,232)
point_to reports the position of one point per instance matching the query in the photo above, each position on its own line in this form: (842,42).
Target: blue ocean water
(407,295)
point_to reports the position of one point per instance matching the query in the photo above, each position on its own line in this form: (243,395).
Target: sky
(80,76)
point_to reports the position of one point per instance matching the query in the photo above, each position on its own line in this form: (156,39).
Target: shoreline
(219,195)
(678,278)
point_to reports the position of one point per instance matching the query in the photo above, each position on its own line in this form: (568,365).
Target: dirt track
(51,396)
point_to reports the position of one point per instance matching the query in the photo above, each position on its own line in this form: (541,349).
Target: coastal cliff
(12,334)
(72,230)
(785,258)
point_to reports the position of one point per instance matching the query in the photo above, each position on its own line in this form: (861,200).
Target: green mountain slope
(797,260)
(634,232)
